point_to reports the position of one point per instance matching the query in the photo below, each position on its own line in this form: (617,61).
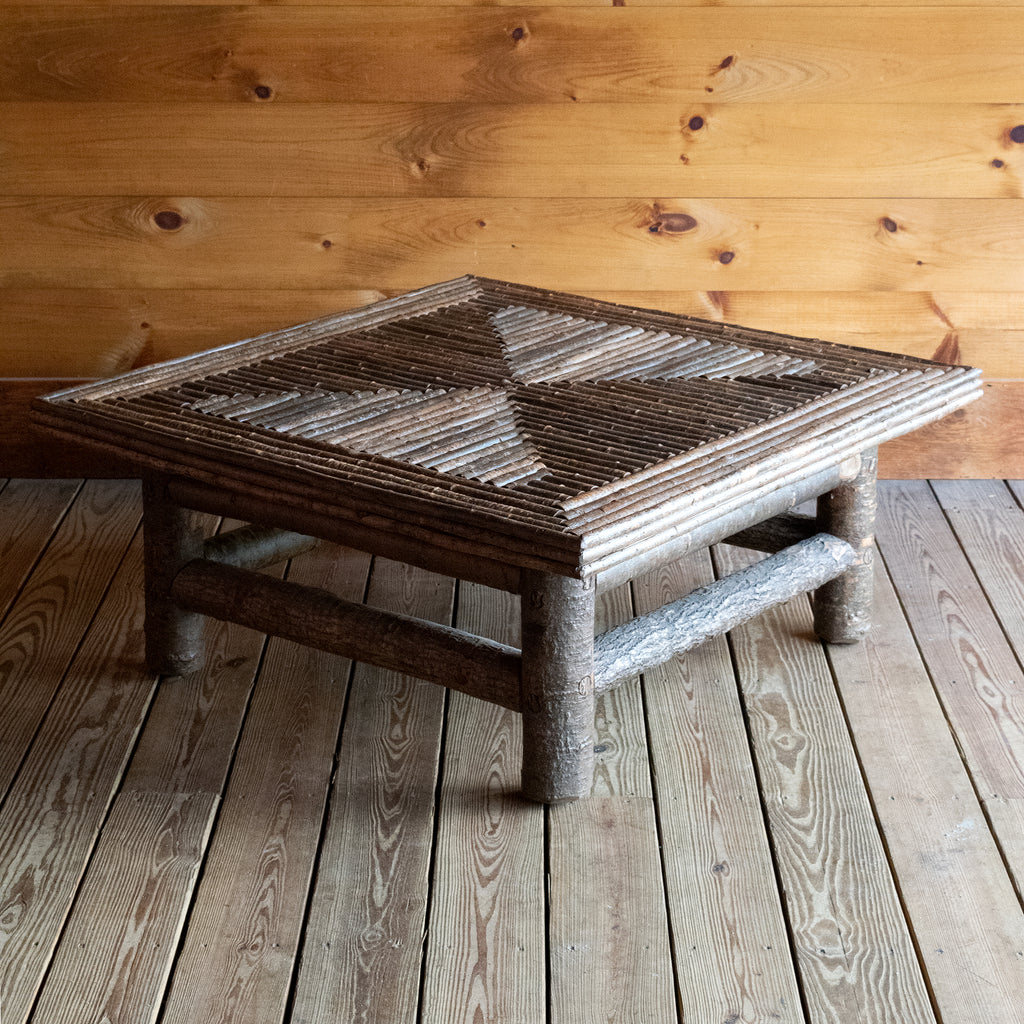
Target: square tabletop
(544,428)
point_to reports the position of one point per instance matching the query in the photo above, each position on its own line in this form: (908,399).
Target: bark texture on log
(842,608)
(416,647)
(255,547)
(653,639)
(557,687)
(171,537)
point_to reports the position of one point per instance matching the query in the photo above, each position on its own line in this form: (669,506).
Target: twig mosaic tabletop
(541,428)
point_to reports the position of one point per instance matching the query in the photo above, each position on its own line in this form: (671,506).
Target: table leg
(171,537)
(842,608)
(557,687)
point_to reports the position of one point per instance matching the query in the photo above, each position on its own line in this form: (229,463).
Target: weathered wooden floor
(779,832)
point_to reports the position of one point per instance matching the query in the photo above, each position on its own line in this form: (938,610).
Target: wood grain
(194,723)
(57,803)
(133,900)
(722,892)
(362,952)
(856,957)
(541,3)
(951,878)
(703,149)
(989,525)
(611,960)
(787,244)
(236,961)
(972,666)
(731,947)
(984,440)
(41,635)
(30,514)
(485,955)
(93,332)
(23,450)
(265,53)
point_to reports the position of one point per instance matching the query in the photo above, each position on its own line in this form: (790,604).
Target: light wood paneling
(96,332)
(698,149)
(566,244)
(983,438)
(179,175)
(528,3)
(547,54)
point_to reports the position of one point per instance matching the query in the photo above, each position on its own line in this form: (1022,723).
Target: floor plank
(42,632)
(731,948)
(237,960)
(854,952)
(976,674)
(963,910)
(29,511)
(989,526)
(486,940)
(59,799)
(130,910)
(361,953)
(611,956)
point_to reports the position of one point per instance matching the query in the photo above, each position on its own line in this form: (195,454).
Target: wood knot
(671,223)
(725,258)
(889,224)
(1017,133)
(695,123)
(520,33)
(168,220)
(263,92)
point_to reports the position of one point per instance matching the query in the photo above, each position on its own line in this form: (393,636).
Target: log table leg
(171,537)
(557,687)
(842,608)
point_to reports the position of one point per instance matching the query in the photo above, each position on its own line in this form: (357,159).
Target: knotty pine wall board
(533,3)
(178,175)
(715,150)
(548,54)
(567,244)
(98,332)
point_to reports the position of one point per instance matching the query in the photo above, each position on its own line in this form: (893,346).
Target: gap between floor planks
(772,850)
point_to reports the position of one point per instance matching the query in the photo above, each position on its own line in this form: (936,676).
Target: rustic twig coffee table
(536,442)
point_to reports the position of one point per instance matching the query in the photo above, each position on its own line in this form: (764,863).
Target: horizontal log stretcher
(219,588)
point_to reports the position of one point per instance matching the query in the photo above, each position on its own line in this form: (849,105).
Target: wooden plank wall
(177,175)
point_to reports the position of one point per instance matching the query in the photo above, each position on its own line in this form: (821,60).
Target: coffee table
(541,443)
